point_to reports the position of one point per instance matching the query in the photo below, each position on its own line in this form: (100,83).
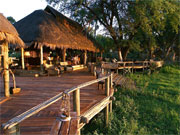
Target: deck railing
(126,65)
(12,126)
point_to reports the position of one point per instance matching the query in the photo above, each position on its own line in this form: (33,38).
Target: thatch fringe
(11,39)
(61,46)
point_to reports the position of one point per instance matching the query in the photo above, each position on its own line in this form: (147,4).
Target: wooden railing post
(76,104)
(22,58)
(111,81)
(143,65)
(13,131)
(133,66)
(110,107)
(124,64)
(94,71)
(111,86)
(107,94)
(107,86)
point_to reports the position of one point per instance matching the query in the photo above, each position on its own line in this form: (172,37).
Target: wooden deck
(37,90)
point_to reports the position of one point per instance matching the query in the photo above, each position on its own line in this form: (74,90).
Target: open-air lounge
(54,43)
(114,71)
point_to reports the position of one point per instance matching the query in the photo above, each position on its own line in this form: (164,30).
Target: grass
(154,108)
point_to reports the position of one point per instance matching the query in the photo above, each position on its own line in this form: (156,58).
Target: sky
(18,9)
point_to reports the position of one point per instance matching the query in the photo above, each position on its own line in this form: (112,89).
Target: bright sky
(18,9)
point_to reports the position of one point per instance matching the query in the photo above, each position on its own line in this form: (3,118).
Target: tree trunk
(168,52)
(125,51)
(150,54)
(120,55)
(174,56)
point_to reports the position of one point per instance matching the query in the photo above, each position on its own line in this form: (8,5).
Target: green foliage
(11,19)
(106,43)
(154,108)
(151,25)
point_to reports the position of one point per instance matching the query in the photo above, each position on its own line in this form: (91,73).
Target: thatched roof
(8,33)
(50,28)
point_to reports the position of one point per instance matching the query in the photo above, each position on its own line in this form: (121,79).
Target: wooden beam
(6,70)
(107,115)
(64,128)
(56,127)
(107,86)
(64,54)
(96,56)
(88,115)
(22,58)
(41,57)
(107,94)
(73,130)
(1,56)
(76,105)
(110,107)
(85,57)
(111,81)
(76,101)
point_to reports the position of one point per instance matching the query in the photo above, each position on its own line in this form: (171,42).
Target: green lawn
(154,108)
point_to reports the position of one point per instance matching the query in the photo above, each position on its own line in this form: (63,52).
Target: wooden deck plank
(37,90)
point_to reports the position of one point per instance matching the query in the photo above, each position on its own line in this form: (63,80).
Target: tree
(123,20)
(105,43)
(111,14)
(11,19)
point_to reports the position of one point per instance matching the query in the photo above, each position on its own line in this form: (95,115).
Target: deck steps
(124,82)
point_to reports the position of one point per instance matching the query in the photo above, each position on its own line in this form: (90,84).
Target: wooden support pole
(107,107)
(85,57)
(133,67)
(124,64)
(94,70)
(76,104)
(107,115)
(6,70)
(110,107)
(111,81)
(64,54)
(96,56)
(2,56)
(107,86)
(76,101)
(13,131)
(41,57)
(22,58)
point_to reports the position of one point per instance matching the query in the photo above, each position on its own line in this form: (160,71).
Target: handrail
(121,62)
(86,84)
(16,120)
